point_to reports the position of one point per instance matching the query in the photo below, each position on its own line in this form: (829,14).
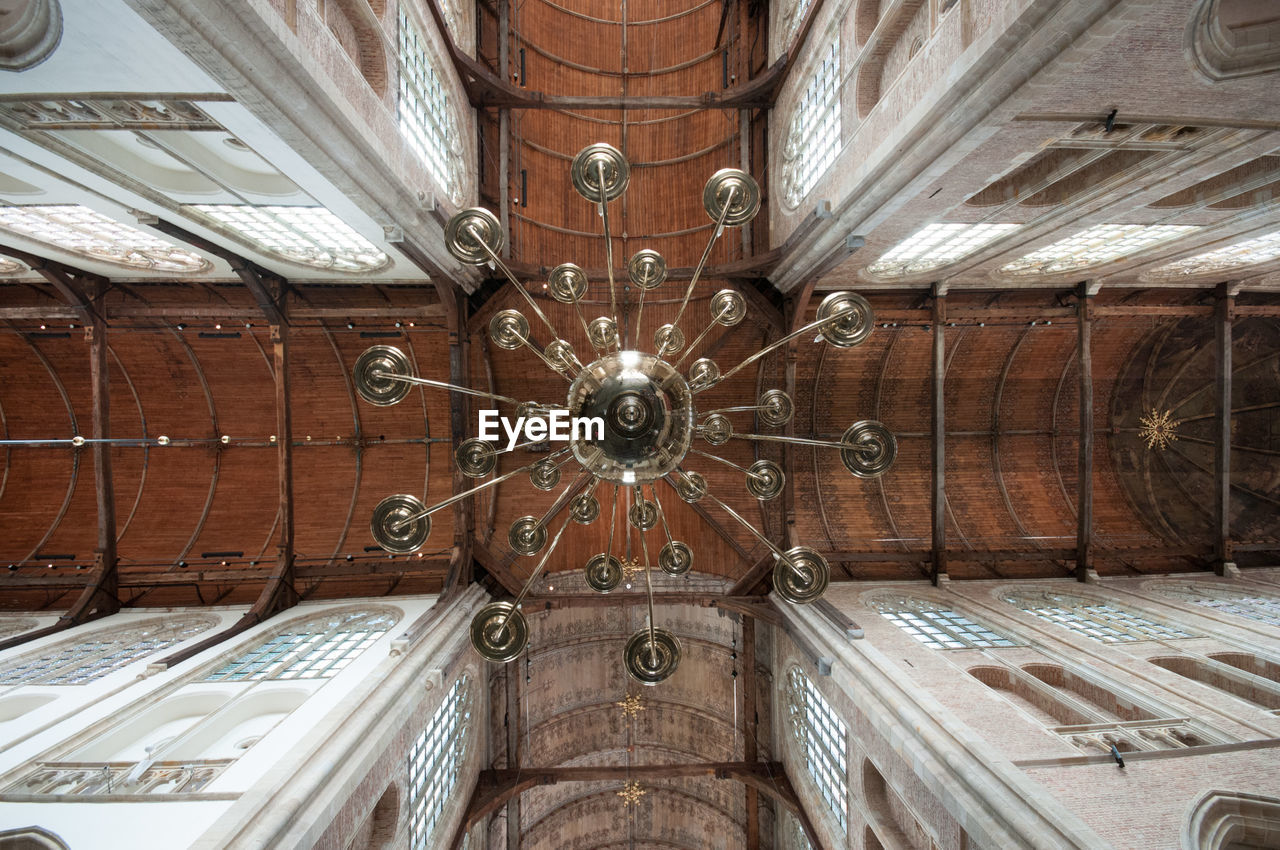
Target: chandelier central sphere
(646,407)
(647,410)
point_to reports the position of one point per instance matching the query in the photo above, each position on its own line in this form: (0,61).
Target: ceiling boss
(647,409)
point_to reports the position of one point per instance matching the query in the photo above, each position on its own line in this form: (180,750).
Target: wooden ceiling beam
(256,279)
(1084,484)
(1223,317)
(69,282)
(938,455)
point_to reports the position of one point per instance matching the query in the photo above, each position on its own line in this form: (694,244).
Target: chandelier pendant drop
(649,415)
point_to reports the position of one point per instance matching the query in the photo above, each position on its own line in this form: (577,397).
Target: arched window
(1092,618)
(823,737)
(436,760)
(1260,249)
(1236,38)
(103,651)
(813,139)
(1095,246)
(316,647)
(427,120)
(936,625)
(1250,604)
(934,246)
(89,233)
(308,236)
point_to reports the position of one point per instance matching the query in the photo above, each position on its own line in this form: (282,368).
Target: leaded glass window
(435,760)
(311,236)
(824,739)
(103,651)
(313,648)
(936,245)
(1251,605)
(1093,247)
(91,234)
(426,118)
(814,137)
(1101,621)
(938,626)
(1260,249)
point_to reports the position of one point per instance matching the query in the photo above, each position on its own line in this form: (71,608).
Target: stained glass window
(102,651)
(426,119)
(1101,621)
(814,137)
(824,737)
(312,236)
(1260,249)
(938,626)
(89,233)
(312,648)
(435,760)
(1093,247)
(936,245)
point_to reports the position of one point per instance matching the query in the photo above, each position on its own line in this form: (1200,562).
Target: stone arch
(383,824)
(349,22)
(1235,38)
(31,838)
(1227,820)
(1235,184)
(1044,707)
(891,819)
(1106,702)
(29,32)
(1248,662)
(865,19)
(1220,679)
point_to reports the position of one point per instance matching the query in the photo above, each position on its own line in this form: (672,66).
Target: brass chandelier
(648,410)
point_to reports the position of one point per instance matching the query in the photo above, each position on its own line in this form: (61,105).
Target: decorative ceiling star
(631,705)
(631,793)
(1159,429)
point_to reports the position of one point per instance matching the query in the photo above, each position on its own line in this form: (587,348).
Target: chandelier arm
(524,340)
(715,320)
(781,341)
(441,385)
(497,261)
(613,522)
(524,591)
(805,441)
(639,315)
(741,469)
(706,253)
(777,553)
(608,247)
(648,583)
(577,306)
(566,494)
(666,529)
(412,518)
(743,409)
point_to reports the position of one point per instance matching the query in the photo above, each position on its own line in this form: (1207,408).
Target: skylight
(936,245)
(1093,247)
(426,119)
(814,137)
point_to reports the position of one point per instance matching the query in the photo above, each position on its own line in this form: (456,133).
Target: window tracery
(310,236)
(1252,605)
(1092,618)
(824,738)
(936,245)
(1094,246)
(91,234)
(1260,249)
(937,626)
(813,138)
(104,651)
(427,120)
(317,647)
(436,760)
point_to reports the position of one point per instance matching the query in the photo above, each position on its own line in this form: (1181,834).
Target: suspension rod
(809,328)
(777,553)
(706,253)
(608,252)
(441,385)
(714,321)
(502,267)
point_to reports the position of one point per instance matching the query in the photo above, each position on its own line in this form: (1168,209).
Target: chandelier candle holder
(648,410)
